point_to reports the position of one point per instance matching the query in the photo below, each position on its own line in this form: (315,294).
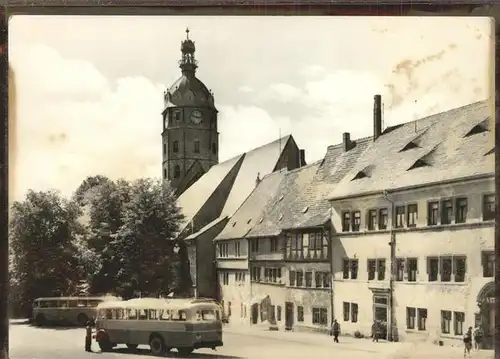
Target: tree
(145,241)
(45,261)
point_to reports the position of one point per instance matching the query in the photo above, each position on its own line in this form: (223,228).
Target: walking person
(478,336)
(375,331)
(335,331)
(468,342)
(88,336)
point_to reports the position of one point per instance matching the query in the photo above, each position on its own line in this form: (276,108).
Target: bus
(67,310)
(163,324)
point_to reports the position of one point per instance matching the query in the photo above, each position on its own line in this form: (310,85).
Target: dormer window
(280,217)
(365,172)
(281,198)
(490,152)
(250,220)
(359,175)
(409,146)
(418,163)
(305,209)
(483,126)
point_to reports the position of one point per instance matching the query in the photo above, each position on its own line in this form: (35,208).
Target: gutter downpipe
(392,335)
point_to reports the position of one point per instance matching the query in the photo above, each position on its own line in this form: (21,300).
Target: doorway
(288,315)
(255,313)
(486,316)
(381,314)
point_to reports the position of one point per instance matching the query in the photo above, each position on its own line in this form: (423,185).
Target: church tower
(190,137)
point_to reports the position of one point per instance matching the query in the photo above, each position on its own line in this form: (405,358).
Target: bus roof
(105,298)
(156,303)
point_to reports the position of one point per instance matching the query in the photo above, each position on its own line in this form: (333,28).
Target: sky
(89,90)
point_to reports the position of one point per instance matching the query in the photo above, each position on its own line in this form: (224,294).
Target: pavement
(28,342)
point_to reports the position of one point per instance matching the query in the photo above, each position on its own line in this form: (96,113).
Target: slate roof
(206,228)
(443,149)
(251,210)
(261,160)
(279,210)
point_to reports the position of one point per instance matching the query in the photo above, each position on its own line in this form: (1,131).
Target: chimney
(377,117)
(346,141)
(302,158)
(257,180)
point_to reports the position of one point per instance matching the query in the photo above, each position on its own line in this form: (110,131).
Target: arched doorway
(486,315)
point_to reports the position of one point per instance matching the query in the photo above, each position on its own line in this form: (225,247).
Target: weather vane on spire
(187,33)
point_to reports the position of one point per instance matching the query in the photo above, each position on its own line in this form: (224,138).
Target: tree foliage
(44,259)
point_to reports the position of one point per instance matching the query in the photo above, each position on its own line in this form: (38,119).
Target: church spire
(188,63)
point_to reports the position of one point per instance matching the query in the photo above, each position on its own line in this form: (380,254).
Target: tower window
(177,116)
(164,149)
(177,171)
(175,146)
(196,146)
(214,148)
(164,173)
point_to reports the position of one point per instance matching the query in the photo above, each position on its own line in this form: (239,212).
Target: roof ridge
(259,147)
(361,139)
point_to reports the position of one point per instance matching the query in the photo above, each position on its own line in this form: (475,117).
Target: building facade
(414,232)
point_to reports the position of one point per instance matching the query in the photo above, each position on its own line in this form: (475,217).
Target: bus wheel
(82,319)
(40,320)
(157,345)
(184,351)
(105,345)
(132,346)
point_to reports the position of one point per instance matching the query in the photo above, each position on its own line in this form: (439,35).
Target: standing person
(375,331)
(335,330)
(468,342)
(88,336)
(478,336)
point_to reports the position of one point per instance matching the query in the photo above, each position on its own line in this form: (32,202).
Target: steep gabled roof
(250,212)
(444,152)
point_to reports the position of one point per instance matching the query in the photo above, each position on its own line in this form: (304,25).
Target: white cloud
(71,122)
(245,89)
(312,71)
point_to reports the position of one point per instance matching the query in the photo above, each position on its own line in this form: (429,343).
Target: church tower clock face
(196,117)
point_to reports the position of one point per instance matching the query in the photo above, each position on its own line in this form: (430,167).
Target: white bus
(67,310)
(163,324)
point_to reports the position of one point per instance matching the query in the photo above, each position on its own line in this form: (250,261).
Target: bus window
(49,304)
(81,303)
(208,315)
(93,303)
(152,314)
(36,304)
(198,315)
(119,314)
(132,314)
(72,303)
(143,315)
(164,314)
(109,314)
(179,315)
(62,304)
(102,314)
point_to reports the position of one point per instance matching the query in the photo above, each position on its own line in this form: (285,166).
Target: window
(347,309)
(446,269)
(410,318)
(371,266)
(164,173)
(489,207)
(300,278)
(309,278)
(318,246)
(346,221)
(300,313)
(320,316)
(223,250)
(459,268)
(177,116)
(225,278)
(345,269)
(372,219)
(297,246)
(458,323)
(164,148)
(255,274)
(237,252)
(291,277)
(254,245)
(445,321)
(175,146)
(279,313)
(318,279)
(350,269)
(432,213)
(400,216)
(240,277)
(326,280)
(461,212)
(412,265)
(196,146)
(433,269)
(274,244)
(446,211)
(380,269)
(400,269)
(382,218)
(488,262)
(214,148)
(354,312)
(412,215)
(422,319)
(177,171)
(356,221)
